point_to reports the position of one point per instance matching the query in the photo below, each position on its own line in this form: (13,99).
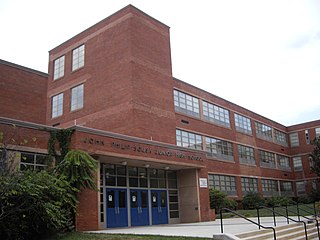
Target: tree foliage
(315,156)
(33,204)
(220,200)
(252,200)
(78,169)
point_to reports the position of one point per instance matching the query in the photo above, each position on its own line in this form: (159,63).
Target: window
(115,175)
(57,105)
(280,137)
(294,139)
(301,187)
(297,163)
(158,178)
(173,204)
(246,155)
(267,159)
(32,161)
(58,71)
(269,187)
(317,132)
(78,58)
(216,114)
(219,148)
(77,97)
(223,183)
(138,177)
(188,139)
(286,188)
(283,162)
(186,103)
(306,134)
(263,131)
(249,185)
(242,123)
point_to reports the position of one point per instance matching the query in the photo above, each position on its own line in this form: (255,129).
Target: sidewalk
(203,229)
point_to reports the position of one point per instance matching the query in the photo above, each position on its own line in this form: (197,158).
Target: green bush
(219,200)
(278,201)
(252,200)
(34,204)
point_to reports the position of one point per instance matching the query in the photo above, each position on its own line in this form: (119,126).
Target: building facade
(161,143)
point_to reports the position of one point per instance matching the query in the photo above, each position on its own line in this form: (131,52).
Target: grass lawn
(97,236)
(292,211)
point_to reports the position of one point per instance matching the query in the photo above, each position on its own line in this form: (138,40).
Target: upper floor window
(280,137)
(294,139)
(58,70)
(188,139)
(78,58)
(267,159)
(246,155)
(216,114)
(186,103)
(264,131)
(317,132)
(297,163)
(223,183)
(57,105)
(283,162)
(77,97)
(243,124)
(219,148)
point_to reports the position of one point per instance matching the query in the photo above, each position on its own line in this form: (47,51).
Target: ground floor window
(249,185)
(270,187)
(223,183)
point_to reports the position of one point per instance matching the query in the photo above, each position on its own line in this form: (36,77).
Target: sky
(263,55)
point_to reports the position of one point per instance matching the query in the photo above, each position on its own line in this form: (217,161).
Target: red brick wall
(22,93)
(127,77)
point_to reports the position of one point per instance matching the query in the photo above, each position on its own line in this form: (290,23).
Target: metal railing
(239,215)
(286,216)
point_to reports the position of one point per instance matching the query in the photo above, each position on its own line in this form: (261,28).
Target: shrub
(252,200)
(219,200)
(278,201)
(34,204)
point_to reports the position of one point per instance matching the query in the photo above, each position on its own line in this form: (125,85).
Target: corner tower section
(115,76)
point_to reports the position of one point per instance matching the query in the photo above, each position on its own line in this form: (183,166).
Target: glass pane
(110,181)
(143,182)
(110,169)
(121,181)
(133,171)
(163,199)
(144,199)
(133,182)
(41,159)
(122,199)
(162,183)
(154,183)
(27,158)
(121,170)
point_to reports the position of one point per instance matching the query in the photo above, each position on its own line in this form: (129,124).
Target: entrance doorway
(117,215)
(139,207)
(159,207)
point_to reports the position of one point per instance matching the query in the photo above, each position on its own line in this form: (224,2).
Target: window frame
(57,105)
(224,149)
(226,183)
(58,67)
(242,124)
(294,139)
(186,103)
(246,155)
(182,135)
(215,114)
(267,159)
(263,131)
(77,97)
(297,164)
(249,184)
(78,57)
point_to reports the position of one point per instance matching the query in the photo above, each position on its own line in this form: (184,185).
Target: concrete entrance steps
(293,231)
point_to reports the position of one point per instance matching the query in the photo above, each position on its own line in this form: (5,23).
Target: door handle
(117,210)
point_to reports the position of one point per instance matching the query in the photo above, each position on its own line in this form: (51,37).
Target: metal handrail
(258,224)
(315,219)
(288,218)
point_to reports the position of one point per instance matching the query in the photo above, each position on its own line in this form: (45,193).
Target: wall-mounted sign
(203,182)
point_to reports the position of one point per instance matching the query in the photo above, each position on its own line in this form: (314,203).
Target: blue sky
(263,55)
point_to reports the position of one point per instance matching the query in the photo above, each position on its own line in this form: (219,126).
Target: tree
(219,200)
(315,156)
(78,169)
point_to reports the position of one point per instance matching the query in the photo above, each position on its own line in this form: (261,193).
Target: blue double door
(117,209)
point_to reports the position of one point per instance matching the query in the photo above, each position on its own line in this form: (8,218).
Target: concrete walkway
(203,229)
